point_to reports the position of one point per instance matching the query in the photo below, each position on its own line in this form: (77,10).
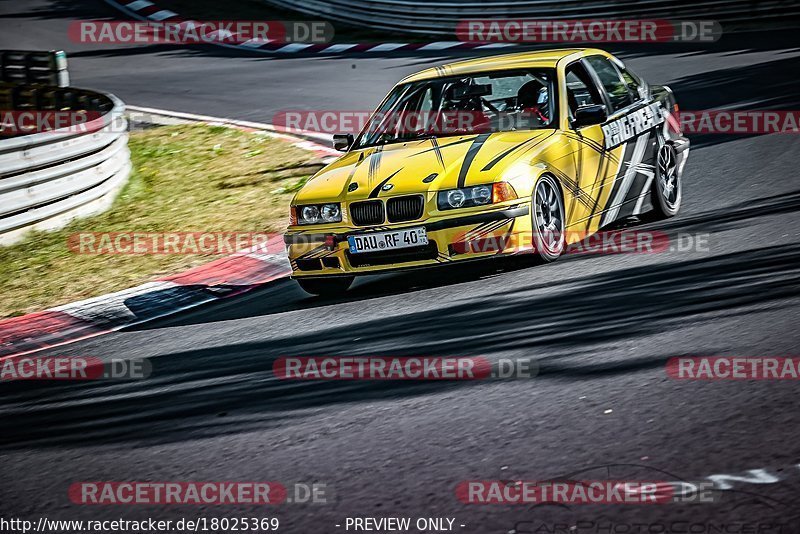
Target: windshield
(460,105)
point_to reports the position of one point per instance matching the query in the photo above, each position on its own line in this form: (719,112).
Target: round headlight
(310,214)
(456,198)
(331,213)
(482,194)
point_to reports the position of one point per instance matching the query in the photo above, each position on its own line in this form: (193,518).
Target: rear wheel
(326,287)
(547,219)
(667,190)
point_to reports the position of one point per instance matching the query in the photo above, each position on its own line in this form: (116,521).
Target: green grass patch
(192,178)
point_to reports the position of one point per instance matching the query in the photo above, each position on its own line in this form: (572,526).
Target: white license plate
(380,241)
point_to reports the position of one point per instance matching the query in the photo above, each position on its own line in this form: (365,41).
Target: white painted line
(162,15)
(136,5)
(386,47)
(441,45)
(338,47)
(293,47)
(256,42)
(494,45)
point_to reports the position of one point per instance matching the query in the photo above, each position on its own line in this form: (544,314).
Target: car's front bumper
(454,237)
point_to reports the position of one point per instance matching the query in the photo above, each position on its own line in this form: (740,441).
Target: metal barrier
(52,177)
(441,17)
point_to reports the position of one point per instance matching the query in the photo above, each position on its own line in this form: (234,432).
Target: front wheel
(326,287)
(547,219)
(667,191)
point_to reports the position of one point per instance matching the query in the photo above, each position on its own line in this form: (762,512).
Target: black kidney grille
(408,208)
(369,212)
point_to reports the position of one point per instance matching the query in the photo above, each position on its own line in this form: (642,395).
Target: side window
(634,84)
(611,80)
(581,90)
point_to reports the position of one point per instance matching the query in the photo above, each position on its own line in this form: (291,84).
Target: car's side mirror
(589,115)
(342,142)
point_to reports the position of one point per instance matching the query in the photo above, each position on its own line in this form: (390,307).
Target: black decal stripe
(494,162)
(626,156)
(573,187)
(637,187)
(506,153)
(374,164)
(597,191)
(475,233)
(482,226)
(438,151)
(472,151)
(375,192)
(439,147)
(648,164)
(588,141)
(313,253)
(490,229)
(506,237)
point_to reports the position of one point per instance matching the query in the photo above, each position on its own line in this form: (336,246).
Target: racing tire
(547,219)
(326,287)
(667,190)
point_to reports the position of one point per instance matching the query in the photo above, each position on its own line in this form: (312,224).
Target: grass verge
(193,178)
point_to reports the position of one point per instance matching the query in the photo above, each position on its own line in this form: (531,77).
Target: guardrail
(441,17)
(51,177)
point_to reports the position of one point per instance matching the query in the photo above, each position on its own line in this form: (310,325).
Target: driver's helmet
(528,94)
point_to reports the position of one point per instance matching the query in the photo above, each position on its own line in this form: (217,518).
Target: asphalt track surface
(600,327)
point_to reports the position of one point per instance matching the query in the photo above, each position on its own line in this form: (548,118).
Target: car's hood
(419,166)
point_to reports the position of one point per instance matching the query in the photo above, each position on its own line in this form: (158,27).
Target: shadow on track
(231,389)
(286,296)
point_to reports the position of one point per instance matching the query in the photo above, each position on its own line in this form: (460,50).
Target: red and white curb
(72,322)
(146,10)
(218,279)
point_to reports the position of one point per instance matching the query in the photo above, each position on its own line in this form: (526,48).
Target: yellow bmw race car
(525,152)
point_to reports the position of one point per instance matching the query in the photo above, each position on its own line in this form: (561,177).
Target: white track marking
(162,15)
(138,4)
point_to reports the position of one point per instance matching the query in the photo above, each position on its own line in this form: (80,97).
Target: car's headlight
(317,213)
(479,195)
